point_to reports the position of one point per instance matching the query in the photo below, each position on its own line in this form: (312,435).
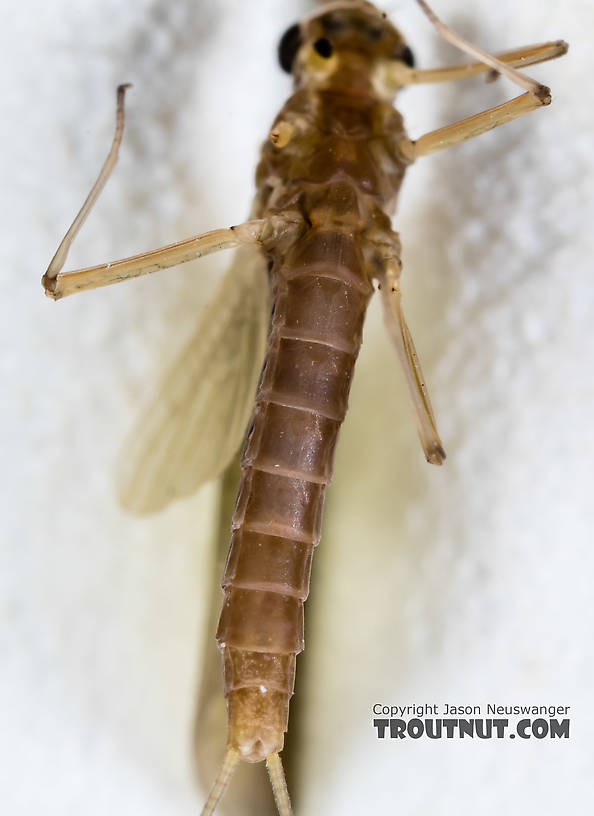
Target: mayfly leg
(402,74)
(57,262)
(535,96)
(516,57)
(541,92)
(58,284)
(409,359)
(388,260)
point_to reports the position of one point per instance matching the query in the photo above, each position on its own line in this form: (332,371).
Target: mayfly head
(348,44)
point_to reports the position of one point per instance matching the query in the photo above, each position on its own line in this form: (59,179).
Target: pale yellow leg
(415,381)
(530,85)
(470,127)
(58,284)
(59,259)
(516,57)
(535,96)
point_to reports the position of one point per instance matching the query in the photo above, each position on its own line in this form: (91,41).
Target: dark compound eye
(408,57)
(323,47)
(288,46)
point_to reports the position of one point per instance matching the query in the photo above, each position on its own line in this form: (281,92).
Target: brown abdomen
(321,295)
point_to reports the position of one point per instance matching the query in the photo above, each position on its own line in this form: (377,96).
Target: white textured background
(468,584)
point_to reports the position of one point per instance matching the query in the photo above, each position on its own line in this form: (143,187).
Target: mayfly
(327,183)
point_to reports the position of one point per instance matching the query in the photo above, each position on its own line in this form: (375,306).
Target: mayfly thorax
(327,185)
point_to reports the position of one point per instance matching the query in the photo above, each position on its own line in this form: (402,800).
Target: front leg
(536,94)
(263,232)
(402,74)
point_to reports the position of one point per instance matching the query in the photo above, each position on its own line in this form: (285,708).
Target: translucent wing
(195,422)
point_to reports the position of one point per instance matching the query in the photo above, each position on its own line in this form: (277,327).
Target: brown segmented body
(341,175)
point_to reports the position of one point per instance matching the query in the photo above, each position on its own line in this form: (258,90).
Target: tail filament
(279,785)
(221,782)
